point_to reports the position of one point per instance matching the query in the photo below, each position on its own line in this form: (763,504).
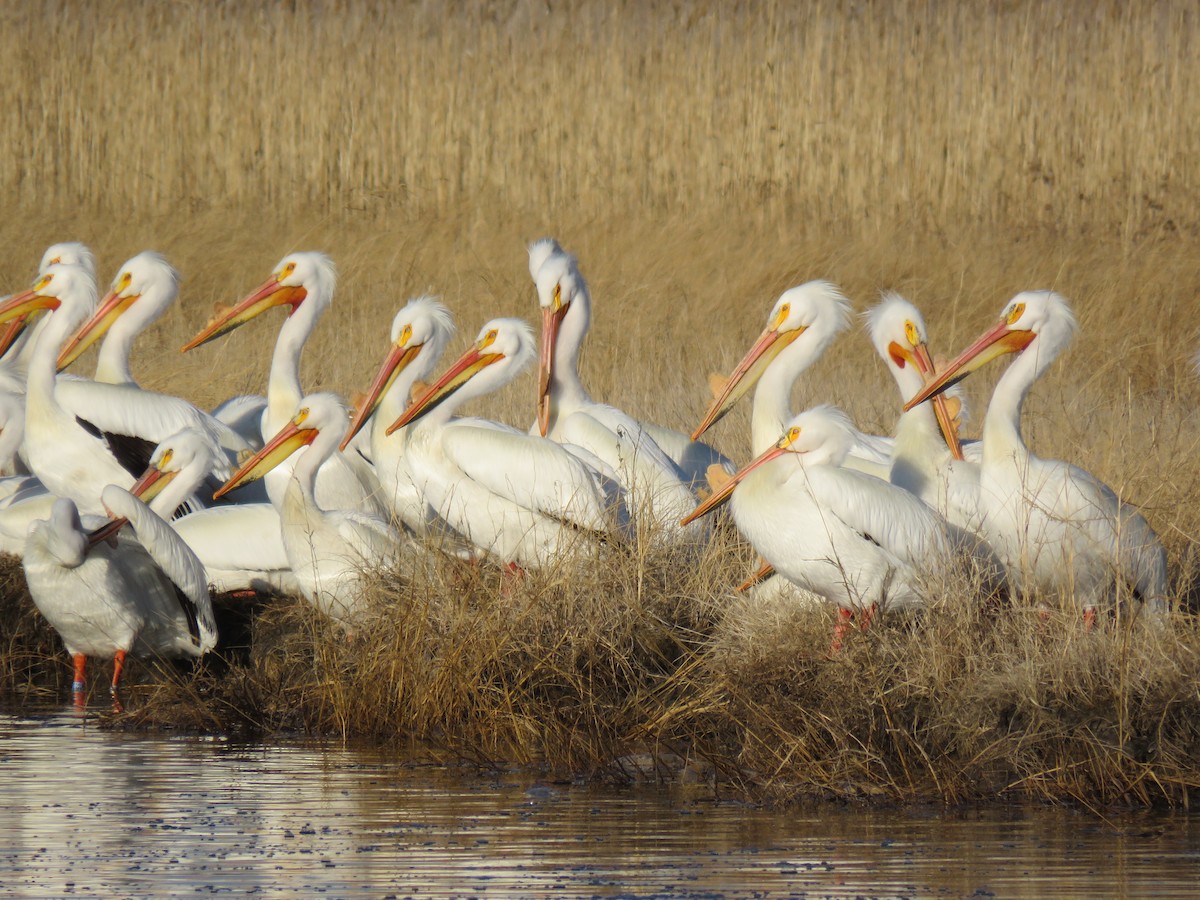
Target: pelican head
(62,284)
(62,534)
(561,290)
(823,435)
(1041,321)
(816,309)
(71,253)
(420,332)
(147,274)
(539,252)
(191,451)
(897,330)
(299,277)
(503,348)
(318,413)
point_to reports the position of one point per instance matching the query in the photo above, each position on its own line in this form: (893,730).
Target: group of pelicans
(129,507)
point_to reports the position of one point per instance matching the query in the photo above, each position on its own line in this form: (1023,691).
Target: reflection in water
(86,811)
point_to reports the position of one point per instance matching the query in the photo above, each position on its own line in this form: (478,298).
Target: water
(88,812)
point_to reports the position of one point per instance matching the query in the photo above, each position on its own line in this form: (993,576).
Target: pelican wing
(530,471)
(891,517)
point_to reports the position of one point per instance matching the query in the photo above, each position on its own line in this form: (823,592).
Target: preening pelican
(802,324)
(515,496)
(659,490)
(927,457)
(239,544)
(142,291)
(420,332)
(329,551)
(1055,526)
(304,283)
(566,315)
(79,435)
(146,596)
(854,539)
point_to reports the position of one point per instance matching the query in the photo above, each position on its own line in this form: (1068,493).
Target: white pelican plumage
(239,544)
(849,537)
(927,457)
(515,496)
(802,324)
(657,487)
(80,435)
(1056,527)
(304,283)
(143,290)
(146,596)
(329,551)
(420,332)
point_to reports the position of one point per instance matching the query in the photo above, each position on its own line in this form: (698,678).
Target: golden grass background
(699,159)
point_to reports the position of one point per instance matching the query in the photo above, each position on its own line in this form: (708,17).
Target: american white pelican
(802,324)
(79,435)
(329,551)
(515,496)
(1055,526)
(146,596)
(304,283)
(566,315)
(659,490)
(144,288)
(420,332)
(927,457)
(240,544)
(854,539)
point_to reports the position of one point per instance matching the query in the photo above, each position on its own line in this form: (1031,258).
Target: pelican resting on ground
(514,496)
(852,538)
(659,491)
(1056,527)
(147,596)
(329,551)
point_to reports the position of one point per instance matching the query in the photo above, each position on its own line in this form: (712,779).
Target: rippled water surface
(91,812)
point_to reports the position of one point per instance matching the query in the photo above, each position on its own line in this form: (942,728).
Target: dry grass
(698,164)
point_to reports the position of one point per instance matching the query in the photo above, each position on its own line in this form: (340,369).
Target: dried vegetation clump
(699,161)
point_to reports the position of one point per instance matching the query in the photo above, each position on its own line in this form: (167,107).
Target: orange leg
(79,685)
(867,615)
(1089,618)
(118,665)
(840,629)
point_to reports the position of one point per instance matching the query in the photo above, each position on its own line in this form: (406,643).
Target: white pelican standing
(658,488)
(858,541)
(515,496)
(420,332)
(1055,526)
(79,435)
(239,544)
(146,596)
(927,457)
(329,550)
(304,283)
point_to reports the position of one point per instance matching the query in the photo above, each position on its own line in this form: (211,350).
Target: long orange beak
(291,438)
(992,344)
(151,484)
(551,322)
(397,361)
(720,497)
(106,531)
(924,363)
(19,306)
(96,327)
(467,367)
(10,332)
(270,293)
(768,346)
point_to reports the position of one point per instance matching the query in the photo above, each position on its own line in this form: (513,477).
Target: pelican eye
(790,437)
(125,281)
(55,261)
(488,339)
(406,334)
(166,459)
(43,281)
(287,270)
(300,416)
(1015,313)
(910,332)
(557,296)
